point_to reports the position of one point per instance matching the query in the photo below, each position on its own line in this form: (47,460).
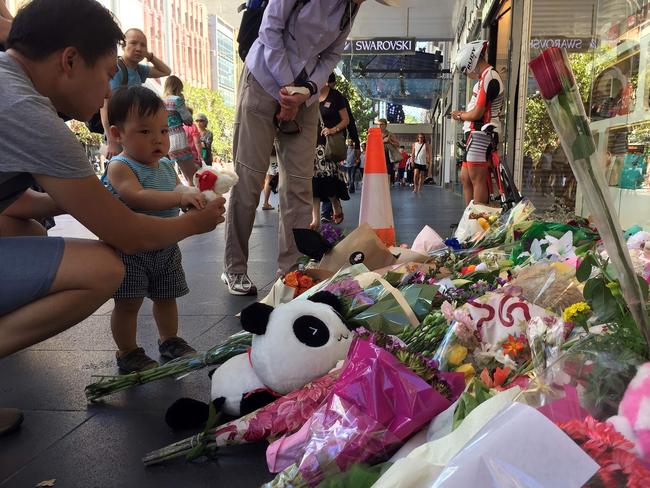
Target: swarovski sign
(380,45)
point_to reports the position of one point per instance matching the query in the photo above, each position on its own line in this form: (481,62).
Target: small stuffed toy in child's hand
(212,181)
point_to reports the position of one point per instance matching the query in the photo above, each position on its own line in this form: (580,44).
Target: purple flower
(330,233)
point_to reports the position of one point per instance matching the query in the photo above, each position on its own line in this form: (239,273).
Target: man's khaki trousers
(253,142)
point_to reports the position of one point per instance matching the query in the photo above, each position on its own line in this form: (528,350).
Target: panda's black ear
(255,317)
(328,298)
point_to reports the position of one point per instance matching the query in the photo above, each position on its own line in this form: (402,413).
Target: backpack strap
(123,70)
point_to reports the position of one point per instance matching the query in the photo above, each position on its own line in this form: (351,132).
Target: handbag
(335,147)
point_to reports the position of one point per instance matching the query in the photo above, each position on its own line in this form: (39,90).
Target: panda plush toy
(293,344)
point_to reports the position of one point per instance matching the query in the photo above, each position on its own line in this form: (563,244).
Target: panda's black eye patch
(311,331)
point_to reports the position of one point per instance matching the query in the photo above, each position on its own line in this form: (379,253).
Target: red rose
(305,282)
(551,72)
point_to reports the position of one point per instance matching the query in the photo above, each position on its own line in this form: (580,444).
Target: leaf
(604,303)
(590,285)
(46,483)
(584,270)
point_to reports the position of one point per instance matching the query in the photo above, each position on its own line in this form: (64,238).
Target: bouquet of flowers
(618,465)
(299,281)
(376,404)
(284,416)
(557,85)
(178,368)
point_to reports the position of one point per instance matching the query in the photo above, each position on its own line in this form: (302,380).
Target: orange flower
(513,346)
(291,279)
(497,379)
(468,269)
(305,282)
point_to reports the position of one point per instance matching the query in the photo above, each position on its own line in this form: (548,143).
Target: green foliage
(602,292)
(221,118)
(538,130)
(87,138)
(362,108)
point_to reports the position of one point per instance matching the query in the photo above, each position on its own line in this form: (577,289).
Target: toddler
(144,179)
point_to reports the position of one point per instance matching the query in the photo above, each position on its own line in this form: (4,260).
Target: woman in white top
(421,157)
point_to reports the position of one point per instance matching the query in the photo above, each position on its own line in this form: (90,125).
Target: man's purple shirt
(290,40)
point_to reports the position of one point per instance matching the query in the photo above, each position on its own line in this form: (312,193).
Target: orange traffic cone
(376,208)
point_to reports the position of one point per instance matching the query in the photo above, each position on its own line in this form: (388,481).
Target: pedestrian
(193,136)
(144,179)
(60,57)
(421,157)
(362,159)
(134,51)
(351,163)
(391,149)
(207,137)
(329,181)
(482,115)
(179,115)
(299,45)
(351,132)
(271,175)
(400,175)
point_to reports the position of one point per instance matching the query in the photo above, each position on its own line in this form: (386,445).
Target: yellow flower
(457,355)
(574,311)
(468,370)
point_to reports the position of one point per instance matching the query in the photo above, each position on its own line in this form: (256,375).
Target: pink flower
(447,310)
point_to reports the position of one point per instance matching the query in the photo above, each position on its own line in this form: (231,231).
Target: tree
(221,118)
(85,137)
(362,108)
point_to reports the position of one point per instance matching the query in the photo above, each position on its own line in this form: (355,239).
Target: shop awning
(417,80)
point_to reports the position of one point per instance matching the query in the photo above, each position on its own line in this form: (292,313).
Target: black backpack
(95,123)
(251,21)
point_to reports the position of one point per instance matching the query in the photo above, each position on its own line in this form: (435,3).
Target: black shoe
(326,219)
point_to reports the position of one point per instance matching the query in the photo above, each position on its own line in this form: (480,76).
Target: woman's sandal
(338,218)
(268,207)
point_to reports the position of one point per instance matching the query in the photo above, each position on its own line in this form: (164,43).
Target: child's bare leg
(124,323)
(165,312)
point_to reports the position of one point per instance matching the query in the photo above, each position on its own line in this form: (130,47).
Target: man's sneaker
(10,420)
(175,347)
(135,361)
(326,218)
(239,284)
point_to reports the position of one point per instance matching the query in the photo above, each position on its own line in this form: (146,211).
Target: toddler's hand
(196,200)
(209,217)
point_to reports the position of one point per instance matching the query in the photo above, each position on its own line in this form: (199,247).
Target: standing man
(135,51)
(299,45)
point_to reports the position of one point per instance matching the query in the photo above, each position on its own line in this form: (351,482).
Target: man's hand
(292,101)
(112,149)
(285,115)
(209,217)
(191,199)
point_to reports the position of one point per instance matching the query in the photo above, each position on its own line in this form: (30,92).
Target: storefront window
(607,42)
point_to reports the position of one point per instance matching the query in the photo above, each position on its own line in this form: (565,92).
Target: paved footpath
(100,445)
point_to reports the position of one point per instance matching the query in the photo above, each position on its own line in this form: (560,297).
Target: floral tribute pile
(517,317)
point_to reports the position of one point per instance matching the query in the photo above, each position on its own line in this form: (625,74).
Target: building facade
(223,59)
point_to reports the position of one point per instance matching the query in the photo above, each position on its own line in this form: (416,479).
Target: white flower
(561,248)
(535,253)
(444,284)
(504,359)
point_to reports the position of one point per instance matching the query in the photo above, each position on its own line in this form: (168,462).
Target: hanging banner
(380,45)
